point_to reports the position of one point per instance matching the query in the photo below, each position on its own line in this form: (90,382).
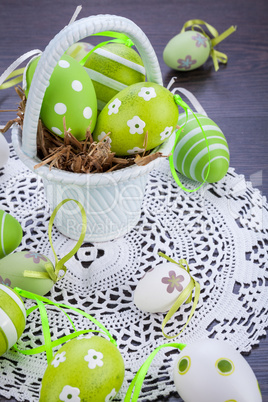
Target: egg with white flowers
(84,369)
(191,156)
(187,51)
(210,370)
(4,151)
(161,286)
(70,94)
(27,270)
(139,109)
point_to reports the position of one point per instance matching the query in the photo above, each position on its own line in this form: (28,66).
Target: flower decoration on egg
(136,125)
(102,136)
(147,93)
(166,133)
(186,63)
(69,393)
(59,358)
(200,40)
(135,150)
(173,281)
(94,359)
(36,257)
(114,106)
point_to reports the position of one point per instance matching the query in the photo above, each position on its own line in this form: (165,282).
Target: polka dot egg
(12,318)
(84,369)
(71,94)
(191,153)
(139,108)
(213,371)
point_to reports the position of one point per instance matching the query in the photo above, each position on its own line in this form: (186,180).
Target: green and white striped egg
(10,233)
(191,154)
(12,318)
(112,68)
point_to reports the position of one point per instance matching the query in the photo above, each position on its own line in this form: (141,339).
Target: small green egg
(187,51)
(10,233)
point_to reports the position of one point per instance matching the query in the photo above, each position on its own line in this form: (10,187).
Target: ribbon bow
(54,273)
(215,54)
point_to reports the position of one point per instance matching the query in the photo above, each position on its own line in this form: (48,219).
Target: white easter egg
(4,151)
(158,290)
(213,371)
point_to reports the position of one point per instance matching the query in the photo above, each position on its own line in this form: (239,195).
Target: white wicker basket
(112,200)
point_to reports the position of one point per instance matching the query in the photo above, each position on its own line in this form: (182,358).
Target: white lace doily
(221,231)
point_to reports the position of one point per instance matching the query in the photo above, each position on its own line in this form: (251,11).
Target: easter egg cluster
(107,92)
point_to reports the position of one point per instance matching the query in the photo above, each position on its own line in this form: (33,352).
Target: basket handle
(71,34)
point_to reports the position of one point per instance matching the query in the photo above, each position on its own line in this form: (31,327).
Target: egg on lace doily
(213,371)
(84,369)
(4,151)
(10,233)
(12,318)
(158,290)
(14,267)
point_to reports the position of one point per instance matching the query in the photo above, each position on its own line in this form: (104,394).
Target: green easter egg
(10,233)
(187,51)
(79,50)
(132,112)
(89,370)
(112,68)
(13,267)
(191,154)
(12,318)
(71,94)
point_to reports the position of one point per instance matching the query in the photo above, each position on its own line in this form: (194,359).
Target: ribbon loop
(184,297)
(216,38)
(48,343)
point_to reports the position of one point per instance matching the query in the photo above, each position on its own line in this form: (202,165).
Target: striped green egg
(191,153)
(12,318)
(112,68)
(10,233)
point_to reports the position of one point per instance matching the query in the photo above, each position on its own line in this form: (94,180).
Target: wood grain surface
(235,97)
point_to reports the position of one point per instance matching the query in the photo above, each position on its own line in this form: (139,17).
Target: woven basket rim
(81,179)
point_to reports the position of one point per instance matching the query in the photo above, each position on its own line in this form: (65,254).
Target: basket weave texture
(112,200)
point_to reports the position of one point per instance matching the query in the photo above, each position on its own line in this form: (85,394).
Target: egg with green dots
(187,51)
(112,68)
(191,157)
(213,371)
(10,233)
(70,94)
(138,110)
(12,318)
(84,369)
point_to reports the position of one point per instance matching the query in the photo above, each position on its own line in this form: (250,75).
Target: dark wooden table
(235,97)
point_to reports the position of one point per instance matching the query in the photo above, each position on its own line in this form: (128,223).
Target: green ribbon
(215,54)
(184,297)
(120,38)
(18,74)
(53,273)
(178,100)
(137,382)
(48,343)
